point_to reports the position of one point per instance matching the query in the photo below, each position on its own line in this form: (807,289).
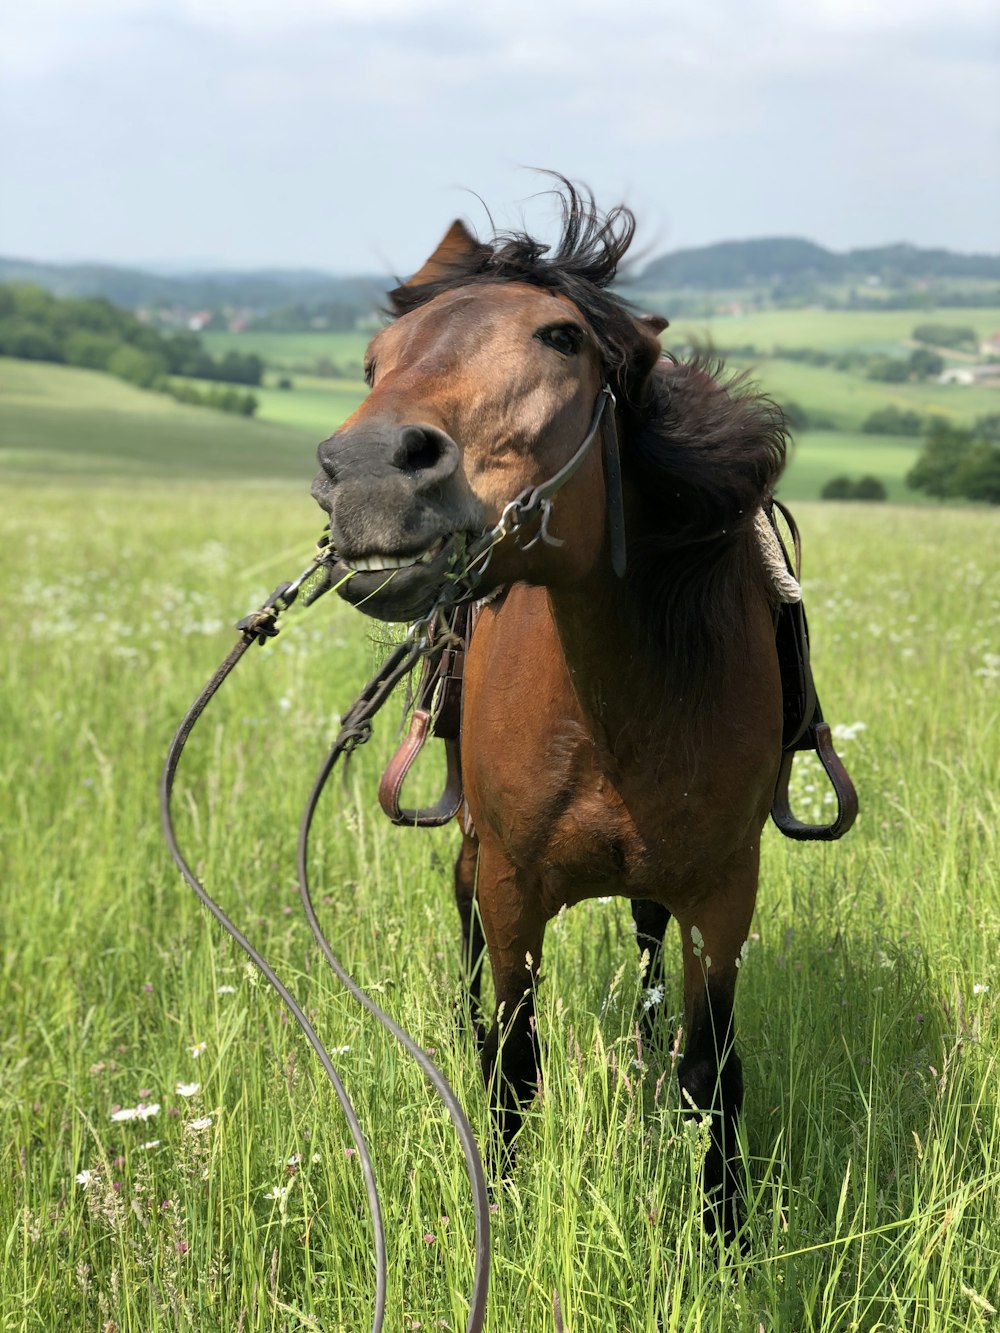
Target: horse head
(482,386)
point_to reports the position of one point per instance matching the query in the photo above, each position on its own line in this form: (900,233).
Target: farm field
(60,423)
(848,398)
(291,351)
(868,1015)
(834,330)
(818,455)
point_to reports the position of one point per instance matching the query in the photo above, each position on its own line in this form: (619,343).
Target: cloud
(336,131)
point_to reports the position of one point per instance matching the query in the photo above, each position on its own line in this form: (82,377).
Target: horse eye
(566,339)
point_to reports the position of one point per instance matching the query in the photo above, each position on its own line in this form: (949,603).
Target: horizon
(168,268)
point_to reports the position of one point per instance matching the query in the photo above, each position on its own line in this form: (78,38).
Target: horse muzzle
(398,504)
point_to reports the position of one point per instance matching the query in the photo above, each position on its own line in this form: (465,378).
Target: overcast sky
(345,134)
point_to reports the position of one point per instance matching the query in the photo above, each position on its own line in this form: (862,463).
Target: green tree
(89,349)
(796,416)
(957,336)
(837,488)
(935,469)
(869,488)
(977,476)
(923,363)
(892,421)
(888,369)
(144,369)
(23,337)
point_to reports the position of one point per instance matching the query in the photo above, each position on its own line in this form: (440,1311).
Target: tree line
(92,333)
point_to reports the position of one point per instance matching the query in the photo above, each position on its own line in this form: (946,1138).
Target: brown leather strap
(615,497)
(390,788)
(438,712)
(821,741)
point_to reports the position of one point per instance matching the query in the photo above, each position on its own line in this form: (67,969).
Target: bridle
(532,509)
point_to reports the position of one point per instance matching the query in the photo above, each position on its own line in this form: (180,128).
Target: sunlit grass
(867,1007)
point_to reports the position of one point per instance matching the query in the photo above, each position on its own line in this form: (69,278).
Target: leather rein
(429,635)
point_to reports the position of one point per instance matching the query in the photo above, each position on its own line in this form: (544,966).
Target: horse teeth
(374,564)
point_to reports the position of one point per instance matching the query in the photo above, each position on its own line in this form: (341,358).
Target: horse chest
(563,817)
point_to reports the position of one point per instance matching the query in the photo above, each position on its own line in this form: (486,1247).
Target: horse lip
(396,594)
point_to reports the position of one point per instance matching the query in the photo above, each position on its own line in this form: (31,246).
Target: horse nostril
(420,449)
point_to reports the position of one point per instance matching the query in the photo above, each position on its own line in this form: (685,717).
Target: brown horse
(621,734)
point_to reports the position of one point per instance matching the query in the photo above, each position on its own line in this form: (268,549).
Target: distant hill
(261,289)
(289,298)
(730,264)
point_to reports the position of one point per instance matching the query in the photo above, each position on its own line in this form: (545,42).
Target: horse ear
(654,324)
(648,350)
(455,250)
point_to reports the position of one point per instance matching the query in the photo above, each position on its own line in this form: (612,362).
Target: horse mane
(704,456)
(703,451)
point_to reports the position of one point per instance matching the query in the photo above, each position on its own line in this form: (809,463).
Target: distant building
(199,320)
(991,347)
(981,375)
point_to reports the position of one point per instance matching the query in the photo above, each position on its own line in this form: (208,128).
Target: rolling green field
(846,399)
(62,423)
(291,351)
(834,330)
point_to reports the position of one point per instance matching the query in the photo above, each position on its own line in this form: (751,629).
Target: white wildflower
(197,1050)
(187,1089)
(652,997)
(84,1178)
(202,1123)
(848,731)
(278,1192)
(141,1112)
(226,990)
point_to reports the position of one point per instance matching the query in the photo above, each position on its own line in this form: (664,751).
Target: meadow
(172,1157)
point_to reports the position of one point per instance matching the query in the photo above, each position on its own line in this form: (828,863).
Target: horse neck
(613,673)
(627,688)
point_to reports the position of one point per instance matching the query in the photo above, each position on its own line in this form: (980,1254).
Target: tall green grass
(867,1007)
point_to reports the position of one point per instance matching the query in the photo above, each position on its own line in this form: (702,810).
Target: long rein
(532,507)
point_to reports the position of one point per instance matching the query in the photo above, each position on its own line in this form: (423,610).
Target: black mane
(703,452)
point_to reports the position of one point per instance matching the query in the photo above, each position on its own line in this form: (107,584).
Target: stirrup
(819,738)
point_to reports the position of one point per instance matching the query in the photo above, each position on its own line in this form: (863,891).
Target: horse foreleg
(651,921)
(515,926)
(710,1074)
(473,941)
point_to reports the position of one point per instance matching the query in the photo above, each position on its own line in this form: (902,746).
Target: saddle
(438,712)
